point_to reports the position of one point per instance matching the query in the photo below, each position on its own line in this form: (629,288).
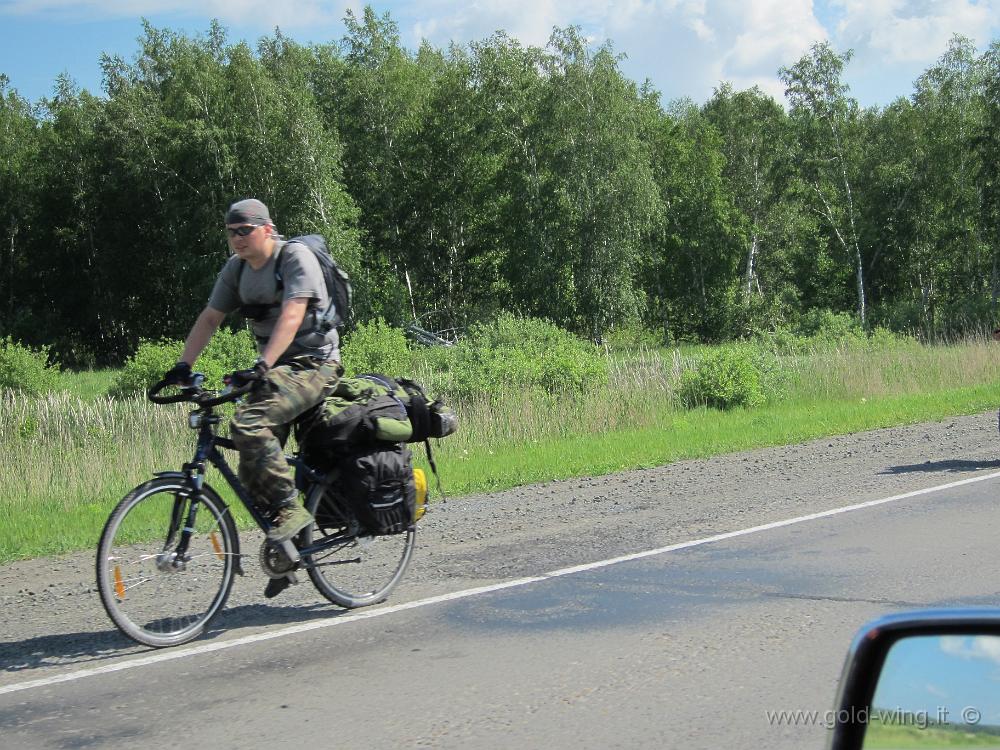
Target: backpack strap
(434,468)
(331,309)
(279,282)
(420,417)
(418,411)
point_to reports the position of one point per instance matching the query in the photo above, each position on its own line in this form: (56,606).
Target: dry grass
(67,459)
(903,369)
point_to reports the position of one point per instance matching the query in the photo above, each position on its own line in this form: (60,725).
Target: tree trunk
(860,282)
(994,292)
(927,306)
(751,257)
(859,269)
(10,274)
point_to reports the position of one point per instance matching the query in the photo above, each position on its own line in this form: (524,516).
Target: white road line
(184,652)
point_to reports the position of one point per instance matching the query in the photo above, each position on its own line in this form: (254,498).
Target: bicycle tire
(149,597)
(363,569)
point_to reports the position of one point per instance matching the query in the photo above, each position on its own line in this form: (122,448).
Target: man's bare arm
(201,333)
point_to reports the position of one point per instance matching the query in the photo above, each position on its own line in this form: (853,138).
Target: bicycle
(170,550)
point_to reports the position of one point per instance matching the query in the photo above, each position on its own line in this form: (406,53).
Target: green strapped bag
(369,409)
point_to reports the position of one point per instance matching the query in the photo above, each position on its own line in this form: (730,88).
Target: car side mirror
(927,679)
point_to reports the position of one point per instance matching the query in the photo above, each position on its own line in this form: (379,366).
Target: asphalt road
(688,648)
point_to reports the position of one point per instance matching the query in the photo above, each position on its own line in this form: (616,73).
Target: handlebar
(192,392)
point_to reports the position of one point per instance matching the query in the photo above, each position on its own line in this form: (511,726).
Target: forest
(455,184)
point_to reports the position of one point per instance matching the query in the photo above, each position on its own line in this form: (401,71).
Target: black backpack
(338,286)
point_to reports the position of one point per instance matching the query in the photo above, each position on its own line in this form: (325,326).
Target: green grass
(696,434)
(88,384)
(69,456)
(880,736)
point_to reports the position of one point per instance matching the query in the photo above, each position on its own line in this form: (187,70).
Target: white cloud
(689,48)
(685,47)
(288,14)
(895,41)
(529,21)
(984,648)
(772,33)
(902,31)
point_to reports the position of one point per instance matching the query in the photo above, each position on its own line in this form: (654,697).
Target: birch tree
(827,120)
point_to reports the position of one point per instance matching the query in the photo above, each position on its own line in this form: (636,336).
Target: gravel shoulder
(51,617)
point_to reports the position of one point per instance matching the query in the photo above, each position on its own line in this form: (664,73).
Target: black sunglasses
(243,231)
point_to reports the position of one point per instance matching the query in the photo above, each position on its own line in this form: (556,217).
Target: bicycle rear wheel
(357,570)
(155,595)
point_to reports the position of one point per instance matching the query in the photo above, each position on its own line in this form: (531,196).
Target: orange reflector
(216,545)
(119,583)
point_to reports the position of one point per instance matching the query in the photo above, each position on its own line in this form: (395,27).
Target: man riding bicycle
(298,364)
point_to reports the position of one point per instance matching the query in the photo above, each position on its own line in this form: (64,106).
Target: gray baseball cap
(248,211)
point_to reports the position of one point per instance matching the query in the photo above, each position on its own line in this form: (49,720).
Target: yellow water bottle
(420,480)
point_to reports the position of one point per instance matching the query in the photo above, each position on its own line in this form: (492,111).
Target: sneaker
(290,521)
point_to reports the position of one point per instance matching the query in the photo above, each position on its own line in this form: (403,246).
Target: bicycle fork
(176,558)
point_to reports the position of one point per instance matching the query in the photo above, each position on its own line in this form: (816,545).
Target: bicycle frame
(191,563)
(207,450)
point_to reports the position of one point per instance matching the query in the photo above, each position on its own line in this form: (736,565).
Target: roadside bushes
(515,355)
(26,370)
(732,376)
(511,355)
(227,351)
(828,331)
(376,347)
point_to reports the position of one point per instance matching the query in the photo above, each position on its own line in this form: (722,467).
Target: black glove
(241,378)
(179,374)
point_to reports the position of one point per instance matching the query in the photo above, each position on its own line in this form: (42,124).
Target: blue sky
(685,47)
(953,672)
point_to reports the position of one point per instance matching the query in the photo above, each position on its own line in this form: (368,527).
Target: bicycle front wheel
(154,590)
(356,570)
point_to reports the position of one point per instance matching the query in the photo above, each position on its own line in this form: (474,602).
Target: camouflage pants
(260,425)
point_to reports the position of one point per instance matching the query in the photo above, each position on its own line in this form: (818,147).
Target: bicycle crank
(275,562)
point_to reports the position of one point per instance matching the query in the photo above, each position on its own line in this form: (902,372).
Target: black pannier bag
(378,484)
(358,434)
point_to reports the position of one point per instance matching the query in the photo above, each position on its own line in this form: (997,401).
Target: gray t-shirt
(301,277)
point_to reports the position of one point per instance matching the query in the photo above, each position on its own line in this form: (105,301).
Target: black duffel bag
(370,409)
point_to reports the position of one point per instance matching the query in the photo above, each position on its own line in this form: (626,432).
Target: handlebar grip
(152,394)
(225,397)
(192,392)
